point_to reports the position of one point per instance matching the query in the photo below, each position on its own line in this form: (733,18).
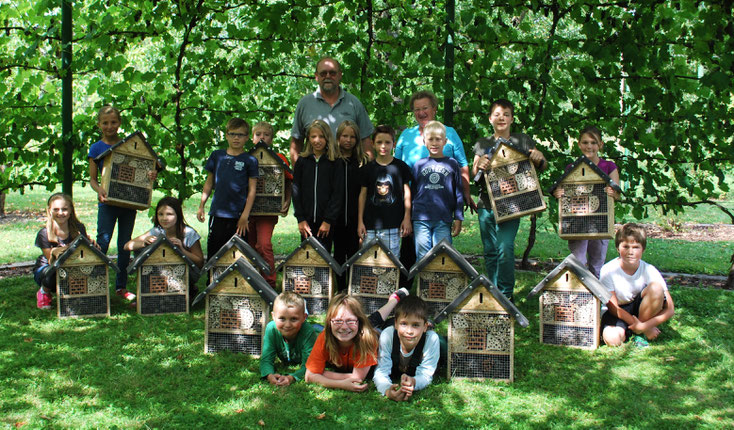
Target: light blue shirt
(424,372)
(410,147)
(313,106)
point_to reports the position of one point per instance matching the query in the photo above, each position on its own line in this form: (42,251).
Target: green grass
(667,255)
(129,371)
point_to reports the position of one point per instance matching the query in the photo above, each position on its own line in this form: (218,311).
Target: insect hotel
(163,278)
(570,301)
(311,271)
(125,172)
(585,211)
(238,303)
(374,274)
(82,280)
(233,250)
(270,190)
(481,336)
(512,183)
(443,273)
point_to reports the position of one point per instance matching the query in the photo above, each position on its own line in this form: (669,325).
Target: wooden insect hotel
(233,250)
(164,273)
(512,183)
(442,274)
(374,274)
(311,271)
(570,301)
(270,191)
(481,335)
(125,172)
(82,280)
(585,211)
(238,303)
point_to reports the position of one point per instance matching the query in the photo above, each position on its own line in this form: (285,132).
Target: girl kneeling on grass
(62,227)
(348,344)
(169,221)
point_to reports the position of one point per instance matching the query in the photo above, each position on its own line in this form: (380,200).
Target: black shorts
(633,308)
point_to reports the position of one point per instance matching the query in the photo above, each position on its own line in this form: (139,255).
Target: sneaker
(400,294)
(640,342)
(125,294)
(43,299)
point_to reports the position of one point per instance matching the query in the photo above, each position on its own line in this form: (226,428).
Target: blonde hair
(366,340)
(263,125)
(331,151)
(51,227)
(290,299)
(104,110)
(358,153)
(434,126)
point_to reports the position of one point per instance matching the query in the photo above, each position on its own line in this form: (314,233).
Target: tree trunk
(525,264)
(730,280)
(2,204)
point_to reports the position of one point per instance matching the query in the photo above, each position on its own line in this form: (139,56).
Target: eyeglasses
(240,135)
(325,73)
(350,323)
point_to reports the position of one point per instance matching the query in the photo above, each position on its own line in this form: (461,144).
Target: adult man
(331,104)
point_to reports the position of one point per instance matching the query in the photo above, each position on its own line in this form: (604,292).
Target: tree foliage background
(655,76)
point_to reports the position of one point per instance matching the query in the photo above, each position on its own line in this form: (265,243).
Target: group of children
(339,195)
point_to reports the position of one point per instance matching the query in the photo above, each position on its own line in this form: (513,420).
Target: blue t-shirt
(96,149)
(231,177)
(410,147)
(437,194)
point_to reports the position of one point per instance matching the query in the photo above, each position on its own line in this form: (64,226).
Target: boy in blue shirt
(437,196)
(233,176)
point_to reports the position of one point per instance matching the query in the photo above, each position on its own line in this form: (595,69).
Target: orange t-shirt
(288,176)
(320,357)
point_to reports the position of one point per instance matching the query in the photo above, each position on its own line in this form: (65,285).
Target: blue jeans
(391,237)
(498,241)
(107,217)
(427,234)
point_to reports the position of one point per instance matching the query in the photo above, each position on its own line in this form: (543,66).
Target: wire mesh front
(584,210)
(371,304)
(373,280)
(230,312)
(568,335)
(308,280)
(246,343)
(163,278)
(70,306)
(485,366)
(590,224)
(129,178)
(267,205)
(75,280)
(269,190)
(571,307)
(481,332)
(514,189)
(439,289)
(166,304)
(317,306)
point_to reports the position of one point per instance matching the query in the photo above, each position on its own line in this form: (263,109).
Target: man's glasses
(350,323)
(325,73)
(240,135)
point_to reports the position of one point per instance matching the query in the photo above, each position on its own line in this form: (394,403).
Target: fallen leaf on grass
(19,424)
(233,388)
(261,423)
(671,358)
(239,411)
(321,416)
(28,339)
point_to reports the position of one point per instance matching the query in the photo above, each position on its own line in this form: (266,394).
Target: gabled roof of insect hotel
(319,248)
(583,161)
(150,249)
(587,278)
(375,241)
(245,248)
(81,240)
(262,145)
(508,143)
(445,247)
(135,136)
(479,283)
(251,275)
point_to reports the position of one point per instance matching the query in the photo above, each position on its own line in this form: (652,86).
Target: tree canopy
(654,76)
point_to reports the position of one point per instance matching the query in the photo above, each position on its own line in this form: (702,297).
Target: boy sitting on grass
(289,337)
(409,352)
(640,299)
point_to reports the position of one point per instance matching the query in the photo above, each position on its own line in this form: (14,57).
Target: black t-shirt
(384,207)
(43,243)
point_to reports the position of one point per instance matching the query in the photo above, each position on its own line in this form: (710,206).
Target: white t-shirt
(625,286)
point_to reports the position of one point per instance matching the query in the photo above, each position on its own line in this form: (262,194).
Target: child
(261,226)
(346,240)
(108,121)
(384,198)
(233,176)
(289,337)
(348,344)
(437,195)
(409,352)
(62,227)
(499,239)
(590,144)
(640,299)
(169,221)
(318,185)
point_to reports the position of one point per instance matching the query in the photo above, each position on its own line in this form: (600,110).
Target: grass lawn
(129,371)
(667,255)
